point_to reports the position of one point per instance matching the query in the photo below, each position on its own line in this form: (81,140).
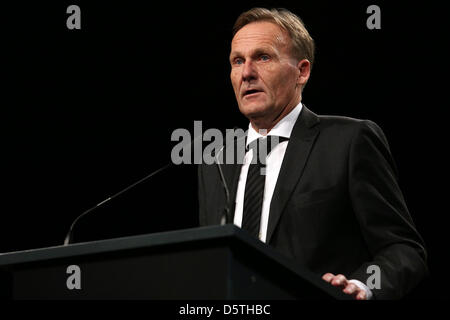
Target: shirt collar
(283,128)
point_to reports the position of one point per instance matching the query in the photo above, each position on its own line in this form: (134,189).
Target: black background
(87,112)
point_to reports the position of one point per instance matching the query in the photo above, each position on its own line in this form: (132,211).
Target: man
(329,195)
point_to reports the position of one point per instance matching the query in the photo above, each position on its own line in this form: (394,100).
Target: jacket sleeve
(397,249)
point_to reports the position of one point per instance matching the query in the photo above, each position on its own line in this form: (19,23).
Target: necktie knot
(263,146)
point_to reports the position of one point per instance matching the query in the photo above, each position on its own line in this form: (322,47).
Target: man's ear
(304,67)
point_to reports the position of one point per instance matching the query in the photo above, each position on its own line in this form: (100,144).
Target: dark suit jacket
(337,206)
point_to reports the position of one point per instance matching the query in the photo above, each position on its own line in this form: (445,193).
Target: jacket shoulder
(341,120)
(348,124)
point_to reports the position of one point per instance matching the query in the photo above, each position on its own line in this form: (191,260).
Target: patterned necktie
(256,178)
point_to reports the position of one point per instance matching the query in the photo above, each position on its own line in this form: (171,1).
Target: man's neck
(264,125)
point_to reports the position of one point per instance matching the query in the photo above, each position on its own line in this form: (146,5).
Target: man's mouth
(251,92)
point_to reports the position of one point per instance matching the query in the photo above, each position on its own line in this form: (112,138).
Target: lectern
(218,262)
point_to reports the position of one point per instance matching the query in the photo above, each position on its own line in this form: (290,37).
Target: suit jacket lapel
(300,144)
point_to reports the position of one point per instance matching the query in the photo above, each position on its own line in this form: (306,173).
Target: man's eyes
(240,61)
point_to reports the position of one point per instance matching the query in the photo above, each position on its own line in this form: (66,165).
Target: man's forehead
(260,31)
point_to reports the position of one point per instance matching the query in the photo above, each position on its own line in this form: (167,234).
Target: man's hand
(347,287)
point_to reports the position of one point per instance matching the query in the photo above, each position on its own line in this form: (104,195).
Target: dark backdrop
(87,112)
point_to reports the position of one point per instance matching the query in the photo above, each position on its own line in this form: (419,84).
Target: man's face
(264,73)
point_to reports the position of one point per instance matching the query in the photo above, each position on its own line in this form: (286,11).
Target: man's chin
(253,110)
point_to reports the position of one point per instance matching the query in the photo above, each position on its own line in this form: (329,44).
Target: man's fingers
(361,295)
(328,277)
(339,281)
(347,287)
(351,289)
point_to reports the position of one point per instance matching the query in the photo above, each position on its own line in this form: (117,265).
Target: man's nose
(249,71)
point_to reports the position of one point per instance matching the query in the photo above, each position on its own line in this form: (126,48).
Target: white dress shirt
(273,165)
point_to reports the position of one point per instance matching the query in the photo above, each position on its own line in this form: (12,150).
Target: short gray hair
(302,43)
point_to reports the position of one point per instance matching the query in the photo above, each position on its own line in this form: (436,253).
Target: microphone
(226,215)
(69,237)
